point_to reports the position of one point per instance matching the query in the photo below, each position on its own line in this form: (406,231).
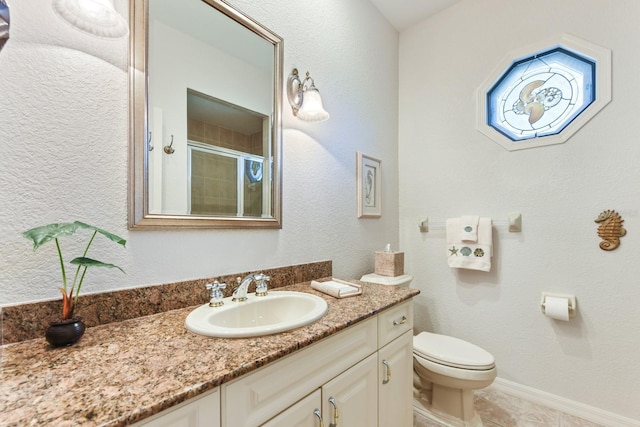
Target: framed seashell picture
(369,179)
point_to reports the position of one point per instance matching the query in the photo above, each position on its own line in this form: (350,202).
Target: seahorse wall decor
(610,229)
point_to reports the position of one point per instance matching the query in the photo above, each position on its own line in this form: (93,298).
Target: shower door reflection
(225,182)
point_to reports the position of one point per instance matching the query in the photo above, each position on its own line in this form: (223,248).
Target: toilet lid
(451,351)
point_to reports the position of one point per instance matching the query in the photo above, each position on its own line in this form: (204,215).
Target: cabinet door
(301,414)
(395,367)
(355,393)
(197,412)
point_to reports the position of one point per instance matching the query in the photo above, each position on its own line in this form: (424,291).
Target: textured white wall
(450,169)
(64,133)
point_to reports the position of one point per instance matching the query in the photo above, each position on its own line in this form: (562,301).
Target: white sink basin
(278,311)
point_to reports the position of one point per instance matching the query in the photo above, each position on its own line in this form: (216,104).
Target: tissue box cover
(389,263)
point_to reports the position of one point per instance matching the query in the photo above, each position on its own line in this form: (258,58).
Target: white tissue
(388,247)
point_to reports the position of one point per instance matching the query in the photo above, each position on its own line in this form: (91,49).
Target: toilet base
(456,414)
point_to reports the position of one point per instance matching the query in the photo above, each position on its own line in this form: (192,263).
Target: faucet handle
(261,284)
(216,293)
(215,286)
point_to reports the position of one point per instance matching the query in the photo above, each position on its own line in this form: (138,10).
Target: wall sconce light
(305,99)
(98,17)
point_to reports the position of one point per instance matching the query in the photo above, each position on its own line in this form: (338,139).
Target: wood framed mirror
(205,117)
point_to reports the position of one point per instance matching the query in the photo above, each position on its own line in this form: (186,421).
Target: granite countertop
(121,373)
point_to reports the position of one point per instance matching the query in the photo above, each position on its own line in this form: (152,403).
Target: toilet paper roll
(556,308)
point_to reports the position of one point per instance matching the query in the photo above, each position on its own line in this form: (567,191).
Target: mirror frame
(139,215)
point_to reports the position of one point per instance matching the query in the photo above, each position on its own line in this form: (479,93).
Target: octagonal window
(545,96)
(540,95)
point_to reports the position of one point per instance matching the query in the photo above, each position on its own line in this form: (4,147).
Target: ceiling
(404,13)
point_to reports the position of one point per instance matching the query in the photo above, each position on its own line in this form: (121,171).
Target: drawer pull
(400,322)
(316,412)
(387,372)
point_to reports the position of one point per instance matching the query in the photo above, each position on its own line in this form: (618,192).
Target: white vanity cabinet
(255,398)
(366,369)
(364,372)
(200,411)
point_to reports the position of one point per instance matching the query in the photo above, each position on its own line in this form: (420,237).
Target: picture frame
(369,180)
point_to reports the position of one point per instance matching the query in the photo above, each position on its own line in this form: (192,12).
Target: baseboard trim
(567,406)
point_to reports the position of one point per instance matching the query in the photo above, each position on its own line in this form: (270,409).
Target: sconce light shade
(312,109)
(305,99)
(97,17)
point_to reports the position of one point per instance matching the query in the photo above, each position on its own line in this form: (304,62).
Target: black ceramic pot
(64,332)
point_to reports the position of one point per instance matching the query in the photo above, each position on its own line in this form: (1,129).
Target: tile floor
(498,409)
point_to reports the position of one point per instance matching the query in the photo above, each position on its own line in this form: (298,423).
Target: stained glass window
(540,95)
(543,93)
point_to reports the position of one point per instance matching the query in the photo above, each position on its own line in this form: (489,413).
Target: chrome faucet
(240,293)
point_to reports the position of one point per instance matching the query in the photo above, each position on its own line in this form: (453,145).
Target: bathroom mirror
(205,117)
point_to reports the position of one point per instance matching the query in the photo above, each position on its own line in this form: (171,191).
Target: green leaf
(88,262)
(105,233)
(46,233)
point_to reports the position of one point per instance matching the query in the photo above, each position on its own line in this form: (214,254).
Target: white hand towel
(473,256)
(469,228)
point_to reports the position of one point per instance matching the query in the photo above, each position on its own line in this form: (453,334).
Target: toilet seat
(452,352)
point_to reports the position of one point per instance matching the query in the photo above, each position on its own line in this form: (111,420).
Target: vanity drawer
(255,398)
(395,321)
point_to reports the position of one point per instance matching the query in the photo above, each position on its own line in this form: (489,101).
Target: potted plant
(69,328)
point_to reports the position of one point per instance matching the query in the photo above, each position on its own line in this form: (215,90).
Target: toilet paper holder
(571,298)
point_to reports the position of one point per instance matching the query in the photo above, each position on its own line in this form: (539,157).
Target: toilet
(446,371)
